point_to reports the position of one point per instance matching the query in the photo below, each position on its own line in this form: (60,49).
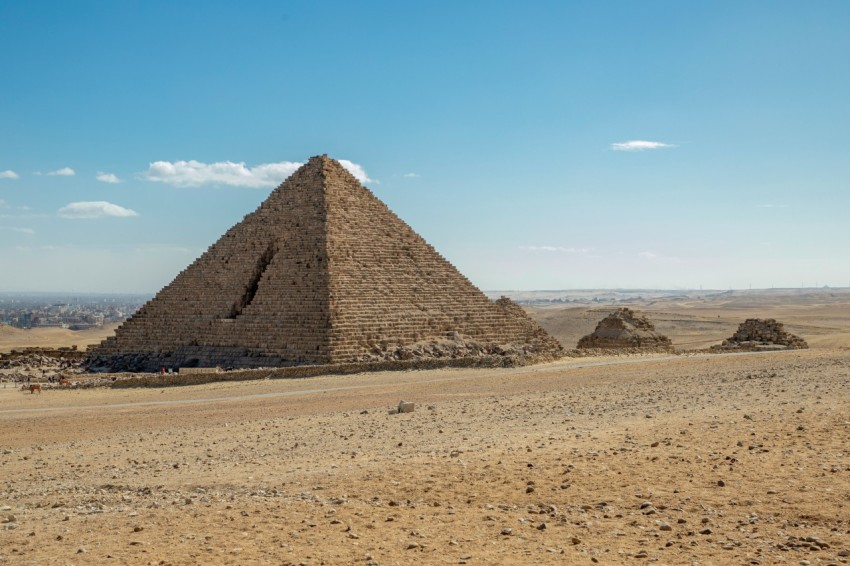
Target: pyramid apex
(321,159)
(327,165)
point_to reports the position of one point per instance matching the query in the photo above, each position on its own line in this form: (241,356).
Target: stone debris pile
(46,365)
(321,273)
(762,334)
(624,329)
(40,358)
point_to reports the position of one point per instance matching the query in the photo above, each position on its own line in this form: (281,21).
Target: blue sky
(537,145)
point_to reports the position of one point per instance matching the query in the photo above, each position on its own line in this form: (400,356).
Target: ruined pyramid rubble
(762,334)
(624,329)
(321,273)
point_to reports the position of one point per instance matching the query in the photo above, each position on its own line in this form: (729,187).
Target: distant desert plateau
(11,338)
(672,459)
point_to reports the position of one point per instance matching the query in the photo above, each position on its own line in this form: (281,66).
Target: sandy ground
(710,460)
(725,459)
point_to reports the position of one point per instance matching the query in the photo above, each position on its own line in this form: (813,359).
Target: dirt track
(559,458)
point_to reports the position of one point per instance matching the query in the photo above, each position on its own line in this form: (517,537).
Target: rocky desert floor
(689,459)
(724,459)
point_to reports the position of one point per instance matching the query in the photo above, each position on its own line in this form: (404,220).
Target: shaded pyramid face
(322,272)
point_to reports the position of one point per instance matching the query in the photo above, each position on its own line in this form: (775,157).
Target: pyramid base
(188,357)
(230,358)
(129,380)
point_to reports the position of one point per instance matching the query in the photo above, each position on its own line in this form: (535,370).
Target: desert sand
(12,338)
(690,459)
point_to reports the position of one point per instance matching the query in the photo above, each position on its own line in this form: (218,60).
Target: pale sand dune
(14,338)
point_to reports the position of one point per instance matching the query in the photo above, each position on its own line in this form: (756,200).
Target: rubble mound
(624,329)
(762,334)
(46,364)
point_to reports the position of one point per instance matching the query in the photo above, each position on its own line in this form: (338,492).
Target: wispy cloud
(772,206)
(652,256)
(639,145)
(556,249)
(162,248)
(95,209)
(8,174)
(107,177)
(64,172)
(411,175)
(3,204)
(20,216)
(29,231)
(267,175)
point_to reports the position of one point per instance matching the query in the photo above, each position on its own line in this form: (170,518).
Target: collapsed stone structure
(624,329)
(36,357)
(321,273)
(762,334)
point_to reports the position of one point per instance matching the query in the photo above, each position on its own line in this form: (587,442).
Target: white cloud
(559,249)
(64,172)
(267,175)
(639,145)
(3,204)
(772,206)
(357,170)
(8,174)
(411,175)
(19,230)
(95,209)
(107,177)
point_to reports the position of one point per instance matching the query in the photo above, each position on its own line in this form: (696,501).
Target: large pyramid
(321,273)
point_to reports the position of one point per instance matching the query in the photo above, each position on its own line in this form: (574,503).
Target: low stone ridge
(321,273)
(762,334)
(624,329)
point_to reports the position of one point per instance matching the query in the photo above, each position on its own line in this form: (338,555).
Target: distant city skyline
(542,145)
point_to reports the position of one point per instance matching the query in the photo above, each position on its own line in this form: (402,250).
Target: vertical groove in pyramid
(321,272)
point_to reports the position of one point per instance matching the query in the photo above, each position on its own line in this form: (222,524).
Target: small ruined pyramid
(762,334)
(625,329)
(321,273)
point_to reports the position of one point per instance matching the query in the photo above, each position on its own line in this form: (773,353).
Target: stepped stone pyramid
(625,329)
(321,273)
